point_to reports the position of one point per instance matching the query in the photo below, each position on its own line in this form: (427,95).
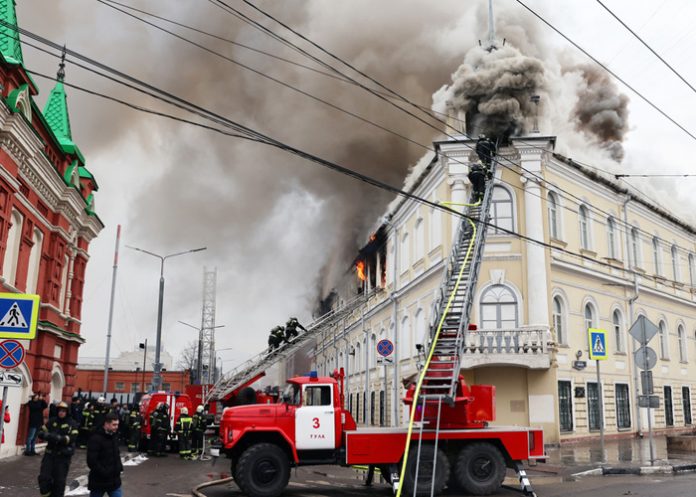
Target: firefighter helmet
(199,409)
(184,411)
(101,400)
(62,405)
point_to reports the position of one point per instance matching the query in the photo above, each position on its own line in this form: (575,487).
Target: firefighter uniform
(61,433)
(183,429)
(477,177)
(135,423)
(198,425)
(291,329)
(86,426)
(276,338)
(159,429)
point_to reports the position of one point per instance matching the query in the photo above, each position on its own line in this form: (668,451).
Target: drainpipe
(631,302)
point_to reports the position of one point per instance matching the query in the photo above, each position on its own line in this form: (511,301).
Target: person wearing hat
(183,433)
(60,434)
(135,424)
(36,406)
(99,413)
(291,329)
(198,425)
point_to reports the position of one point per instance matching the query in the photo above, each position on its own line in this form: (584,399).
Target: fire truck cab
(310,426)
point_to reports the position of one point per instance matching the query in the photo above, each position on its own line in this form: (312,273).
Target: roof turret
(10,47)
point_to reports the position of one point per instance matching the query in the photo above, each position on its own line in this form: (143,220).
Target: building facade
(47,222)
(607,255)
(91,381)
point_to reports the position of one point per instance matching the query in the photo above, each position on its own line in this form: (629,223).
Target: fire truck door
(314,420)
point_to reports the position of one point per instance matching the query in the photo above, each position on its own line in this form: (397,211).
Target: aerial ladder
(254,368)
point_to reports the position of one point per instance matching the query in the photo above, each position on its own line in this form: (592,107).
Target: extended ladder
(255,366)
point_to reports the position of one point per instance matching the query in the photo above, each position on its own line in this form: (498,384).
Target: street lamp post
(157,371)
(199,353)
(144,347)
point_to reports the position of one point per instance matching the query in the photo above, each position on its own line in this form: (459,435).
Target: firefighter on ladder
(291,329)
(183,433)
(198,426)
(135,423)
(275,339)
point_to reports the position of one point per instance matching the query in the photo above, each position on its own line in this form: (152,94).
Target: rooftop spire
(10,47)
(491,43)
(56,110)
(61,66)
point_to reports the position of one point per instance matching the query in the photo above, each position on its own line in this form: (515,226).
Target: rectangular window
(623,407)
(593,418)
(357,407)
(686,404)
(135,387)
(565,405)
(372,408)
(669,408)
(166,387)
(364,407)
(120,386)
(350,404)
(381,408)
(319,395)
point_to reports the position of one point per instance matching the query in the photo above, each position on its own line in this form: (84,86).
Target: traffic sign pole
(646,367)
(601,410)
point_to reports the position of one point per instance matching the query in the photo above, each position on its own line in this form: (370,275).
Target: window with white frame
(681,337)
(612,239)
(584,218)
(34,262)
(498,308)
(558,317)
(64,285)
(358,358)
(404,254)
(664,340)
(405,342)
(502,218)
(435,228)
(657,256)
(635,247)
(675,263)
(552,205)
(617,323)
(419,240)
(373,351)
(14,236)
(590,316)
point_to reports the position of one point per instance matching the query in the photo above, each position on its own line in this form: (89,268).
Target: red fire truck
(174,401)
(311,426)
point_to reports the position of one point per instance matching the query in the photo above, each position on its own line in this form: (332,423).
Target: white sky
(133,156)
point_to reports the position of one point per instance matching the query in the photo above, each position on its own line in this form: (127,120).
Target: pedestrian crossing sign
(598,344)
(19,315)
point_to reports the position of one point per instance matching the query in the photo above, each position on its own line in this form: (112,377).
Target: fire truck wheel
(263,470)
(425,470)
(479,469)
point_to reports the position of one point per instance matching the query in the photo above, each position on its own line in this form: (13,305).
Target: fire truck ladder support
(261,362)
(440,374)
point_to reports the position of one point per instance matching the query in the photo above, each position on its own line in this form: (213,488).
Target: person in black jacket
(104,459)
(60,433)
(36,407)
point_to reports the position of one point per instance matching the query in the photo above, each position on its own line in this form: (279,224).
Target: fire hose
(197,490)
(421,376)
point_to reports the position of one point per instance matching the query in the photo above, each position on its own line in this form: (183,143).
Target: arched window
(590,316)
(635,247)
(617,323)
(675,263)
(421,328)
(14,235)
(664,340)
(358,358)
(584,217)
(373,351)
(501,211)
(353,360)
(692,270)
(558,318)
(365,358)
(435,228)
(405,343)
(64,285)
(498,308)
(342,363)
(552,205)
(657,257)
(34,262)
(419,242)
(681,336)
(611,238)
(404,253)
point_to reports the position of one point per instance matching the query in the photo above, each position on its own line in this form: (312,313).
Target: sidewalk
(623,456)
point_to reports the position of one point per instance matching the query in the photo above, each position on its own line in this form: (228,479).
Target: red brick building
(47,222)
(92,380)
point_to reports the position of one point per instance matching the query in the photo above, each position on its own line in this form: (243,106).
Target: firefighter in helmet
(485,149)
(86,425)
(198,425)
(183,430)
(276,338)
(291,329)
(60,433)
(135,424)
(477,177)
(159,429)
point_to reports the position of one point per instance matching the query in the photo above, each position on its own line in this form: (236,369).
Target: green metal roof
(9,38)
(56,114)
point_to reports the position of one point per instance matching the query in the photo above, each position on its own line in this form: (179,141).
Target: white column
(537,289)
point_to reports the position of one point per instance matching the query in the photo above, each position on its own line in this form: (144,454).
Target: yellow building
(606,256)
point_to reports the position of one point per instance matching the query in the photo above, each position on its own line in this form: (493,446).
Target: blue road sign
(19,314)
(385,347)
(598,344)
(11,354)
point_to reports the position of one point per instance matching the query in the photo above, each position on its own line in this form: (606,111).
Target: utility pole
(206,337)
(111,309)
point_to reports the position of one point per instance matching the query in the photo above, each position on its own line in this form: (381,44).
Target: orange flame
(360,268)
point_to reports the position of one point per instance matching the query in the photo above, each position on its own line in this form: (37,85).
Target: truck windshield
(291,395)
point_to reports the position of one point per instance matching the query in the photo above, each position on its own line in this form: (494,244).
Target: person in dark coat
(36,406)
(485,149)
(60,432)
(477,176)
(104,459)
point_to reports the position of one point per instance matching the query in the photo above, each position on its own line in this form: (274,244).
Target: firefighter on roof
(291,329)
(135,423)
(60,433)
(183,429)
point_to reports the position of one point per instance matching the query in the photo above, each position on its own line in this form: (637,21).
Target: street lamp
(199,354)
(156,374)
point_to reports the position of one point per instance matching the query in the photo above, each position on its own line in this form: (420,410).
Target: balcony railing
(528,347)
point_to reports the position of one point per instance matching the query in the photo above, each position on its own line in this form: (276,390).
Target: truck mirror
(287,398)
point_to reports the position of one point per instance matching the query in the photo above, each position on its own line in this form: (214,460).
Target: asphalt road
(171,477)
